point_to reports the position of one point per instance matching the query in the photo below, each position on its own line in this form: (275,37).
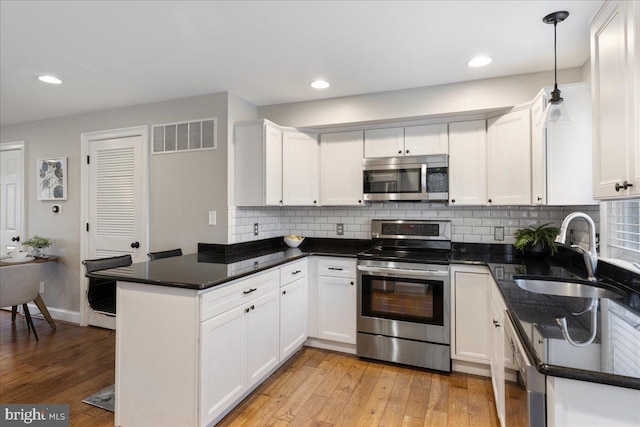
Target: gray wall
(457,97)
(183,187)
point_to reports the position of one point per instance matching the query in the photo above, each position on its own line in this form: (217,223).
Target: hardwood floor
(314,388)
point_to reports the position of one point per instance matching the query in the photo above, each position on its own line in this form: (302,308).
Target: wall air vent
(185,136)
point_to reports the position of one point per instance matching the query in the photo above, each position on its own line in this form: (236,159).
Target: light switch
(212,217)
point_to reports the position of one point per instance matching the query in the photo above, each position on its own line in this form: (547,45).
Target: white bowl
(19,255)
(293,243)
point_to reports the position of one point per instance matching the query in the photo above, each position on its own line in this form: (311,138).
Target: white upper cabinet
(341,168)
(426,139)
(258,164)
(300,169)
(509,159)
(615,75)
(468,163)
(273,167)
(388,142)
(406,141)
(561,156)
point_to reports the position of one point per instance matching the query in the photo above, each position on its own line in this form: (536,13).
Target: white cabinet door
(498,350)
(472,316)
(262,336)
(614,72)
(509,159)
(257,164)
(272,165)
(300,169)
(468,163)
(293,316)
(341,168)
(222,363)
(538,152)
(387,142)
(426,139)
(337,307)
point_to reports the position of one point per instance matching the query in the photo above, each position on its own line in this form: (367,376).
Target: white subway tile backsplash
(469,224)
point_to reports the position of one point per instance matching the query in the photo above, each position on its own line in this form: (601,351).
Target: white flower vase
(36,252)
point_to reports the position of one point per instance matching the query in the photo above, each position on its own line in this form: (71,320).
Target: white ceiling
(112,54)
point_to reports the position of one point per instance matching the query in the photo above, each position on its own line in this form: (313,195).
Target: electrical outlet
(340,229)
(41,287)
(498,233)
(212,217)
(255,229)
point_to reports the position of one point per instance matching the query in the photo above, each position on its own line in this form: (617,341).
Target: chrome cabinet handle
(250,290)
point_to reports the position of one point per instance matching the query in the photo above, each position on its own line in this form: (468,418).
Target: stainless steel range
(403,294)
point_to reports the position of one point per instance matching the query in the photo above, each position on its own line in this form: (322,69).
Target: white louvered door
(115,209)
(116,204)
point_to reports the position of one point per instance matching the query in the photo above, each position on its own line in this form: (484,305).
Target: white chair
(19,284)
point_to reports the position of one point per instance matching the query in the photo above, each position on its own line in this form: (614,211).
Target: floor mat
(104,399)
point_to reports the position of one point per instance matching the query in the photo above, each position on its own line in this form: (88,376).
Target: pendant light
(556,111)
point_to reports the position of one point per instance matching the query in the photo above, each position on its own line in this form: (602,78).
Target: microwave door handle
(403,272)
(423,179)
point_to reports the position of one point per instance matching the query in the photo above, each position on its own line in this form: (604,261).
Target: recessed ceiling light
(479,61)
(50,79)
(320,84)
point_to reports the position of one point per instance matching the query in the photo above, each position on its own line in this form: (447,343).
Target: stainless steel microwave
(421,178)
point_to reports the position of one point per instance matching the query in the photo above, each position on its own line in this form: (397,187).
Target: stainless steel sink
(567,288)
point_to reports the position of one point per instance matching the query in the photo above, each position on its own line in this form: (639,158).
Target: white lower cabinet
(238,347)
(293,311)
(333,302)
(222,375)
(471,312)
(498,349)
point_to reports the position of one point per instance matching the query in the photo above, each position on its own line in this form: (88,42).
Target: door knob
(135,245)
(15,239)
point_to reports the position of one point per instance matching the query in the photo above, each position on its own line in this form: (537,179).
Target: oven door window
(411,300)
(393,180)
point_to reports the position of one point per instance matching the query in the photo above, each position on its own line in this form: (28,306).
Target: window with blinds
(623,218)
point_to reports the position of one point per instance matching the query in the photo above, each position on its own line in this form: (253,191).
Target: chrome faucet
(590,256)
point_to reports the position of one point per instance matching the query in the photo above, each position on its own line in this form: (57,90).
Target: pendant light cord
(555,57)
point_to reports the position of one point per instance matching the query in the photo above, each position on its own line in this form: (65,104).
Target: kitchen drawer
(337,267)
(292,272)
(243,291)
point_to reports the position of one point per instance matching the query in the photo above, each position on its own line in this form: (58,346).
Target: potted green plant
(37,243)
(537,241)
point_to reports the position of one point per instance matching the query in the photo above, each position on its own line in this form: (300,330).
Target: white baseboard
(57,314)
(471,368)
(331,345)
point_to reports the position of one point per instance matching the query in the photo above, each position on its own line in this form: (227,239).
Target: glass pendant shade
(556,113)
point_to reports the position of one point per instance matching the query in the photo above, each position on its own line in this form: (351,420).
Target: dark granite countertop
(611,358)
(215,265)
(604,361)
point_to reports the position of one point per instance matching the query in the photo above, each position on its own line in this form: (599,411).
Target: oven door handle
(403,271)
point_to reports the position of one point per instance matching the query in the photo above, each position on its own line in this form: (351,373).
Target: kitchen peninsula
(196,334)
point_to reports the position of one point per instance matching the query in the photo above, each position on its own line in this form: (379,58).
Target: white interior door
(11,196)
(116,202)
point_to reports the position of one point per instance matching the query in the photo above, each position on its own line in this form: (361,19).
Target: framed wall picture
(52,178)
